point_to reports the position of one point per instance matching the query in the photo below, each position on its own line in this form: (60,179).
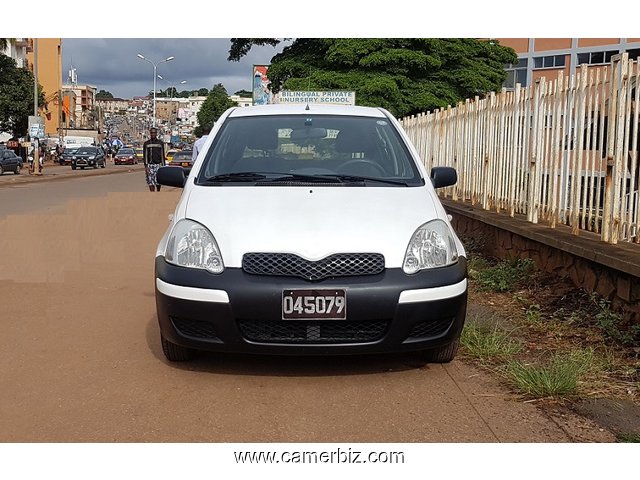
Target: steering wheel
(358,163)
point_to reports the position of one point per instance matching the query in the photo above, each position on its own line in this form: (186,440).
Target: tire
(443,353)
(73,167)
(17,170)
(176,353)
(1,170)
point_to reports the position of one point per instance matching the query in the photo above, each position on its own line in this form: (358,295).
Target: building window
(516,73)
(550,61)
(634,53)
(596,58)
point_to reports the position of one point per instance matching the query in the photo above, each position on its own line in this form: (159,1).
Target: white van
(310,230)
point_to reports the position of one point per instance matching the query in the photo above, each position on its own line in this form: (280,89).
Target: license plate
(314,304)
(185,164)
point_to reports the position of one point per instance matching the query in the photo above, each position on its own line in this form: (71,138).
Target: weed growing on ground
(611,324)
(507,275)
(488,343)
(559,377)
(628,437)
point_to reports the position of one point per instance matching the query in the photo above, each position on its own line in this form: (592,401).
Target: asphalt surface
(82,362)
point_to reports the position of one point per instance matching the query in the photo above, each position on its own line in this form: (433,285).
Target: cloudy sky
(112,64)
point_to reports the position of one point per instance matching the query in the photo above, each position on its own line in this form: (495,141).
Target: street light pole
(155,70)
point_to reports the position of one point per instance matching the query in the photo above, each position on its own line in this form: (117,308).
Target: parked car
(310,230)
(67,155)
(10,162)
(126,156)
(183,159)
(139,154)
(88,157)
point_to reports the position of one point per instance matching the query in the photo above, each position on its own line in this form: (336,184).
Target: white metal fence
(561,151)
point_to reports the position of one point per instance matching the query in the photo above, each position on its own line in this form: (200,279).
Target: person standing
(197,146)
(153,158)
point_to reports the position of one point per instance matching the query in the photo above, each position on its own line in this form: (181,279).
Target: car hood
(312,222)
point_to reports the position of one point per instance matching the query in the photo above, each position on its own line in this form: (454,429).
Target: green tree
(404,75)
(244,93)
(16,97)
(203,92)
(215,105)
(103,95)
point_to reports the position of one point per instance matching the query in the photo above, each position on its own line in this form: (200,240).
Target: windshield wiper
(359,179)
(236,177)
(297,177)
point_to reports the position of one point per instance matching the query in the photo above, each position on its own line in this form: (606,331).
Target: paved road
(81,357)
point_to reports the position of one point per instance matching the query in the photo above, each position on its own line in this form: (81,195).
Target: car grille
(430,329)
(305,332)
(194,328)
(338,265)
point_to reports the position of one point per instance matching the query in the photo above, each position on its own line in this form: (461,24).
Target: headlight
(92,157)
(431,246)
(192,245)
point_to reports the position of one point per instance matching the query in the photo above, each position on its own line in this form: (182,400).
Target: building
(85,115)
(50,77)
(545,57)
(241,101)
(17,49)
(113,105)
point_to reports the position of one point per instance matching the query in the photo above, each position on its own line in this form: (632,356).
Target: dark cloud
(112,64)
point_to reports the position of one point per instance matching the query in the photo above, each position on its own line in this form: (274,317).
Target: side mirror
(443,177)
(171,176)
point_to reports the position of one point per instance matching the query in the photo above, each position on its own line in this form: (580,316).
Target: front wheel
(73,167)
(176,353)
(443,353)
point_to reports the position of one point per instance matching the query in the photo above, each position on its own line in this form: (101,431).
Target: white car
(310,230)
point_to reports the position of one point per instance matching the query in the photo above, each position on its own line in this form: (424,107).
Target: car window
(85,150)
(311,145)
(125,151)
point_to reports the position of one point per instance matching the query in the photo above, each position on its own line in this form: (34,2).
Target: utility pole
(35,141)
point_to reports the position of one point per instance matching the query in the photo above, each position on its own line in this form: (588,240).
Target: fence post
(611,131)
(534,153)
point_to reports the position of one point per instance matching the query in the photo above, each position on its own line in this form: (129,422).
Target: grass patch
(628,437)
(486,343)
(506,276)
(560,377)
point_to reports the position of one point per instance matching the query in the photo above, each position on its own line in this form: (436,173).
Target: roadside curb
(112,169)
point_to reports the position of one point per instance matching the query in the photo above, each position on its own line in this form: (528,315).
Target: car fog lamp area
(192,245)
(431,246)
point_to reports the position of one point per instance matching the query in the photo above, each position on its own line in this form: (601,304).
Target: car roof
(301,109)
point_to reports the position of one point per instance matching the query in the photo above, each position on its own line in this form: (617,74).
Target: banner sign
(339,97)
(261,92)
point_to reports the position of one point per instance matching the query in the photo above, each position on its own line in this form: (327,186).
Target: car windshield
(125,151)
(86,150)
(183,154)
(302,148)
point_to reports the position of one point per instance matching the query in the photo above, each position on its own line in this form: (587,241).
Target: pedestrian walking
(154,158)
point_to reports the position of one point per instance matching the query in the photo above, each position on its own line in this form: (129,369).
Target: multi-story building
(113,105)
(85,111)
(17,49)
(50,77)
(241,101)
(545,57)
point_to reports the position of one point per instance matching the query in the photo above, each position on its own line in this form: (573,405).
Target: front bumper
(239,312)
